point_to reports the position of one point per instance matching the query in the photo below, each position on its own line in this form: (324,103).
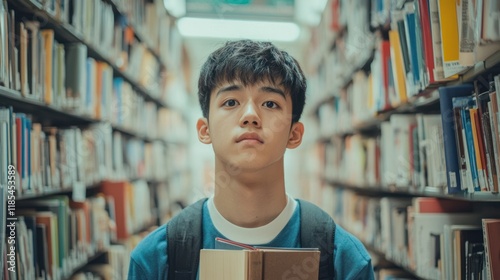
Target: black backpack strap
(317,230)
(184,241)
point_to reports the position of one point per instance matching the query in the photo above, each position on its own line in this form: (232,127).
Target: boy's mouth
(249,137)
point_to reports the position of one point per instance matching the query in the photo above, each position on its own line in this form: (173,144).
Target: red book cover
(491,232)
(425,23)
(86,210)
(385,49)
(335,24)
(118,190)
(438,205)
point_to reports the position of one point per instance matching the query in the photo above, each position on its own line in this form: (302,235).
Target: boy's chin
(243,165)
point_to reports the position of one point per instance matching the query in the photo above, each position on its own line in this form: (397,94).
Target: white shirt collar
(253,236)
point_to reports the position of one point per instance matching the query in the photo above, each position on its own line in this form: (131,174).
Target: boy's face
(250,127)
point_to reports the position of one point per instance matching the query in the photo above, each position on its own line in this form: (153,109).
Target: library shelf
(426,101)
(49,115)
(39,110)
(131,133)
(378,252)
(406,192)
(481,68)
(90,259)
(52,192)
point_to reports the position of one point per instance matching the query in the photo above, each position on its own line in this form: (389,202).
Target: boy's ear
(203,131)
(295,137)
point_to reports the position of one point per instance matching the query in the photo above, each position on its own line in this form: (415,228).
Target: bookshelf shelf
(131,133)
(41,111)
(66,33)
(428,101)
(429,192)
(48,193)
(379,253)
(90,259)
(480,68)
(55,116)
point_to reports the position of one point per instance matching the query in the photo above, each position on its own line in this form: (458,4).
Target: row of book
(471,129)
(56,235)
(428,43)
(62,74)
(339,46)
(114,34)
(150,22)
(454,151)
(408,154)
(434,238)
(50,158)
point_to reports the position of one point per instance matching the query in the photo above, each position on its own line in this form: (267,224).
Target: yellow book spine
(449,29)
(397,60)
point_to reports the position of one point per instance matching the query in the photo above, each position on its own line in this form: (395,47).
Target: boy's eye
(270,104)
(230,103)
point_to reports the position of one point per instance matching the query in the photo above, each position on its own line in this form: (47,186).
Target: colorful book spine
(446,95)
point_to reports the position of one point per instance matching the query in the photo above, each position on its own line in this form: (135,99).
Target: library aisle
(99,104)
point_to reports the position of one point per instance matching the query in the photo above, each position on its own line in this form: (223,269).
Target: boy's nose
(250,116)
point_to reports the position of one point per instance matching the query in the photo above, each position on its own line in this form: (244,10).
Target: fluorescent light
(238,29)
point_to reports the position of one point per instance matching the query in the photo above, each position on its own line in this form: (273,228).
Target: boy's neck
(250,199)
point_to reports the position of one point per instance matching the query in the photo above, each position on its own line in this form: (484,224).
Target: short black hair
(251,62)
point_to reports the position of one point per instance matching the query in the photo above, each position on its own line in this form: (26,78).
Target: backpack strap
(184,241)
(317,230)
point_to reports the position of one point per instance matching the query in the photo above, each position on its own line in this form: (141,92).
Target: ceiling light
(238,29)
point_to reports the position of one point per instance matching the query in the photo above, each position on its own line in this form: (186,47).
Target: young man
(252,96)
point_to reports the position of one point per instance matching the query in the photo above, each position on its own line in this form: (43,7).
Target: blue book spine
(117,104)
(470,147)
(410,20)
(446,95)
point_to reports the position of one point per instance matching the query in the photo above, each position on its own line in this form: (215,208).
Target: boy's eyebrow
(273,90)
(228,88)
(268,89)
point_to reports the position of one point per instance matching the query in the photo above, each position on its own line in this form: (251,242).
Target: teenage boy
(252,96)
